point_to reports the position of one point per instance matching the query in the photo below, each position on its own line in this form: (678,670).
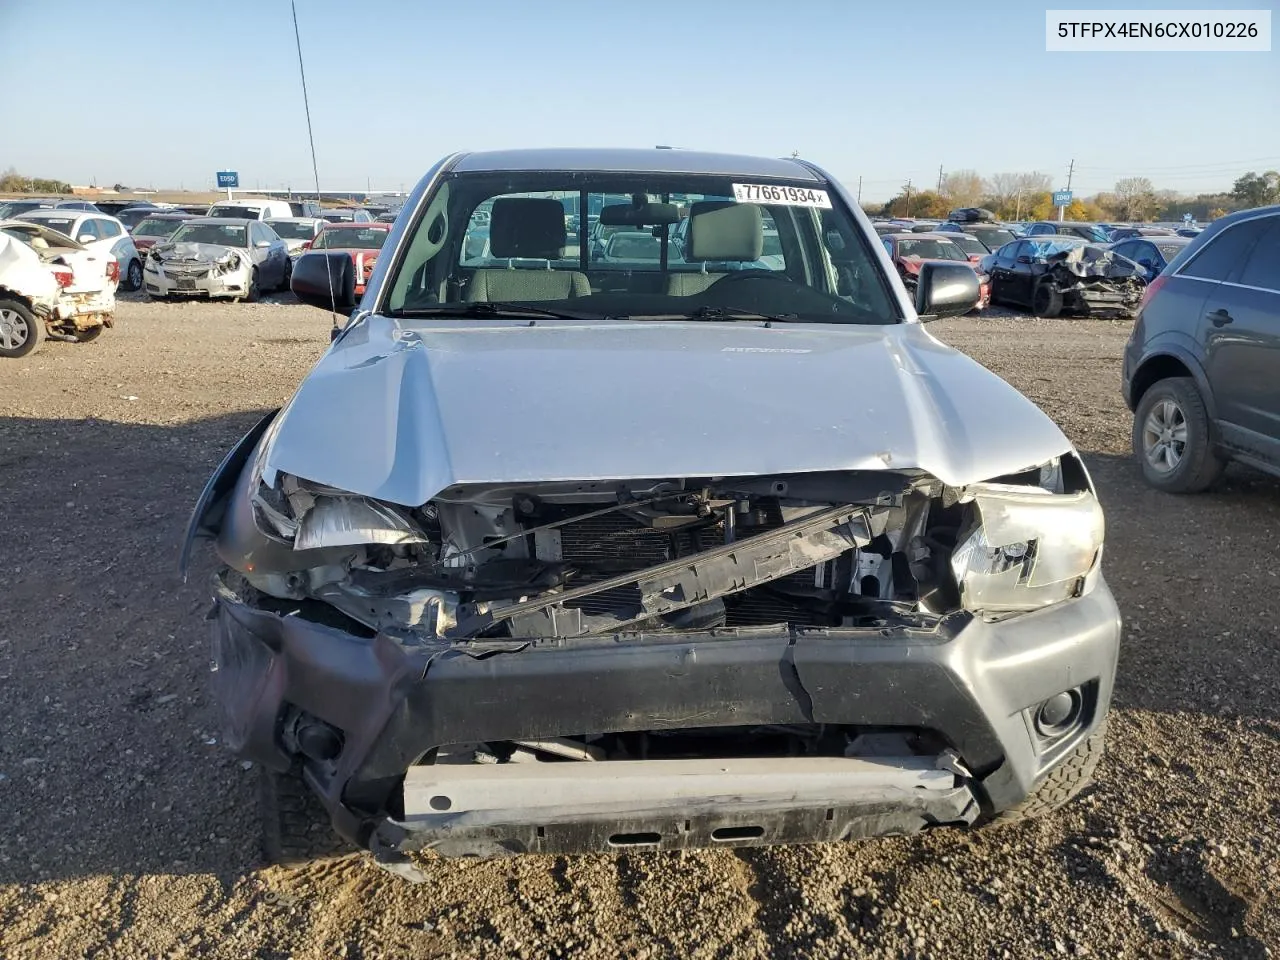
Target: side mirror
(86,238)
(262,243)
(1025,259)
(325,280)
(306,244)
(946,290)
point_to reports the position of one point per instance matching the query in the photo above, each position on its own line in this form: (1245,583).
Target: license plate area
(186,283)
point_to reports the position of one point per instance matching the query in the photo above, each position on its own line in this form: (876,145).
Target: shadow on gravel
(1198,586)
(109,761)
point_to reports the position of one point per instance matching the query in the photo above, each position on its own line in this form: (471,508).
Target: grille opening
(730,834)
(642,839)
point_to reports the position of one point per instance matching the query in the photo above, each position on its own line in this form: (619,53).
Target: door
(1022,272)
(1241,331)
(1001,267)
(271,266)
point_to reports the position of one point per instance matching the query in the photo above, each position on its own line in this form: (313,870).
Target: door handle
(1220,318)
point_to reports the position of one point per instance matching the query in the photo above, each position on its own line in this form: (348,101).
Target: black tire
(1046,301)
(1198,464)
(1064,781)
(133,276)
(286,275)
(296,827)
(20,328)
(251,296)
(88,335)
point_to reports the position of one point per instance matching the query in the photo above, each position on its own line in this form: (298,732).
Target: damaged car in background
(554,555)
(1059,274)
(218,257)
(50,285)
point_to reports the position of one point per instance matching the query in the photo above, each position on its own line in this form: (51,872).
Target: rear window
(236,213)
(1223,253)
(289,230)
(969,245)
(930,250)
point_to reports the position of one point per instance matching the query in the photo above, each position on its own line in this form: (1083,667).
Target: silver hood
(202,252)
(401,410)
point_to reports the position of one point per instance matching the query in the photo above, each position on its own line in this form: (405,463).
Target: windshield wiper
(715,313)
(485,308)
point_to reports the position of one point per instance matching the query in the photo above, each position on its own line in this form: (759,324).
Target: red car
(361,240)
(158,226)
(910,250)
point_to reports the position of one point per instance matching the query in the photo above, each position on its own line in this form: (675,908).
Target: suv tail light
(64,276)
(113,271)
(1150,292)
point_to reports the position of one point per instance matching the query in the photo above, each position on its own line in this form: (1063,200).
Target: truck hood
(400,410)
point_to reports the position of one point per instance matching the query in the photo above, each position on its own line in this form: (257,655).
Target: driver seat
(719,230)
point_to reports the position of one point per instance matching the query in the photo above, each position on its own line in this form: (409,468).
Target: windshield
(994,238)
(969,245)
(63,225)
(236,213)
(1043,248)
(350,238)
(292,230)
(156,228)
(15,207)
(930,250)
(653,245)
(227,235)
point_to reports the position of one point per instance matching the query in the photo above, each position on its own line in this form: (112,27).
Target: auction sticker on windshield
(788,196)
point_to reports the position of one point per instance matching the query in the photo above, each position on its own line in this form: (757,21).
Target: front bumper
(195,283)
(975,684)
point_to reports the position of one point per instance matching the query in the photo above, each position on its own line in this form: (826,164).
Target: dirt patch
(128,829)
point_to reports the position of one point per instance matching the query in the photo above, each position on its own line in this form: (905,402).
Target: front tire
(1173,439)
(133,277)
(1046,301)
(20,331)
(252,294)
(296,828)
(1064,781)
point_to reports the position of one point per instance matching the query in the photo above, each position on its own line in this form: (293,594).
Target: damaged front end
(197,269)
(1094,281)
(662,663)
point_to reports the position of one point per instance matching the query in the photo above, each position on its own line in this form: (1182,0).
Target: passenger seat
(719,230)
(526,228)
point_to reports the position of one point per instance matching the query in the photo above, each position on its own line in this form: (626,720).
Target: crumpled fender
(212,500)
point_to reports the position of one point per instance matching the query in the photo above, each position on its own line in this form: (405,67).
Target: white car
(49,283)
(99,234)
(214,257)
(298,233)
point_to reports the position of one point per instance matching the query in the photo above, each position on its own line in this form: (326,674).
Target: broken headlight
(1026,547)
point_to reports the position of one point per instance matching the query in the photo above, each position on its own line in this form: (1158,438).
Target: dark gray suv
(1202,365)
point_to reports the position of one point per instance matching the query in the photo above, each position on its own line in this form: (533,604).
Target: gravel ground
(128,832)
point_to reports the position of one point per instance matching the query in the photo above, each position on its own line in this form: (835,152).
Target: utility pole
(908,197)
(939,178)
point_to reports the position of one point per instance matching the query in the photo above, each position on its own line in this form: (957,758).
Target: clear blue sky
(164,93)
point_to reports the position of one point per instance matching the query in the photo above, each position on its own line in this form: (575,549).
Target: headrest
(529,227)
(724,230)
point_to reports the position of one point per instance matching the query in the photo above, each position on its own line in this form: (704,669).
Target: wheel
(89,335)
(20,331)
(1046,301)
(133,276)
(1172,438)
(1063,782)
(286,275)
(252,295)
(295,825)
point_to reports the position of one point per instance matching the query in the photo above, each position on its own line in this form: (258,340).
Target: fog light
(1059,713)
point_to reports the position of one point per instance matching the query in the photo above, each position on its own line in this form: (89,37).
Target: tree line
(1029,196)
(11,181)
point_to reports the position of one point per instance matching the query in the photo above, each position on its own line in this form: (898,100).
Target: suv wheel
(1063,782)
(1171,438)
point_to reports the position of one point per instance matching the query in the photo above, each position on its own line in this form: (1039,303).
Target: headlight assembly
(1026,547)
